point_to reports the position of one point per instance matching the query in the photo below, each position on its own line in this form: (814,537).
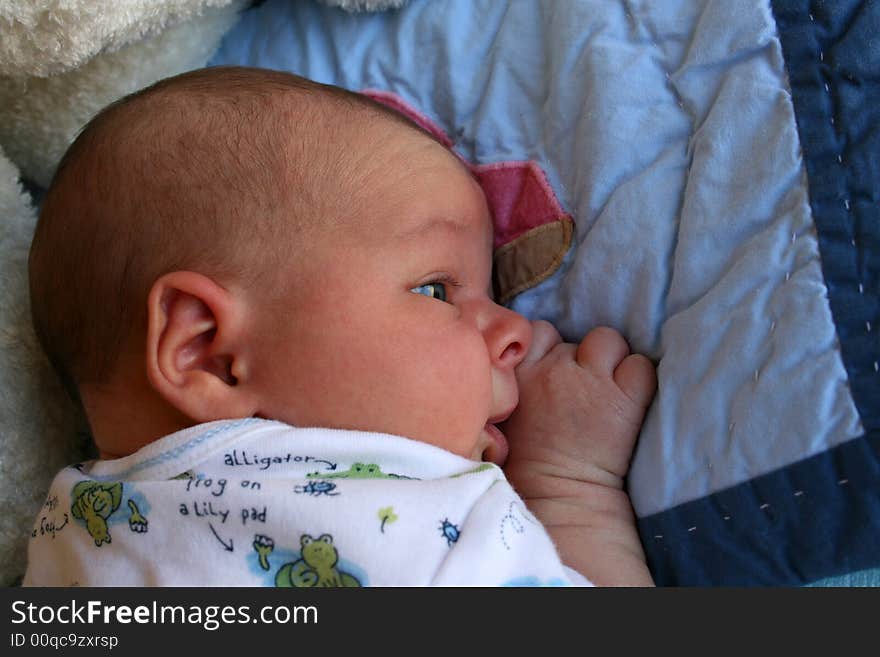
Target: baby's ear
(196,347)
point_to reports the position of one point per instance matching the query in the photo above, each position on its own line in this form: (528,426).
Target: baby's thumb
(544,338)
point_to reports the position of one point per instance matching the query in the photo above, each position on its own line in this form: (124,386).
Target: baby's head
(238,242)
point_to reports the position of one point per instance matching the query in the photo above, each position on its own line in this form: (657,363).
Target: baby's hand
(580,410)
(571,440)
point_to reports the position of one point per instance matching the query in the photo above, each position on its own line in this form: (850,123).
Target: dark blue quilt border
(819,517)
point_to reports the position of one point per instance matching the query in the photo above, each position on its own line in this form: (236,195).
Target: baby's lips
(501,417)
(498,449)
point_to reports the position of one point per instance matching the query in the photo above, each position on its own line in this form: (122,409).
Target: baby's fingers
(601,350)
(637,378)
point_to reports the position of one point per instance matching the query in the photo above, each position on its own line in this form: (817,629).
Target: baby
(273,299)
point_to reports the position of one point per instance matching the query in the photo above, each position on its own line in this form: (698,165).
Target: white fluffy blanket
(40,430)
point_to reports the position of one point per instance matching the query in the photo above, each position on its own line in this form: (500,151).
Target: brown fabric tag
(530,258)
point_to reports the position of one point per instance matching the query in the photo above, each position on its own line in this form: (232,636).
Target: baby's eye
(434,290)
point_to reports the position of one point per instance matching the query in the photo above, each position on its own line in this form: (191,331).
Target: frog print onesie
(255,502)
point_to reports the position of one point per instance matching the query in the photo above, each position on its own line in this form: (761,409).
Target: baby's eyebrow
(433,223)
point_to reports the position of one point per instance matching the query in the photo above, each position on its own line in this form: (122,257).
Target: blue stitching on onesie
(180,449)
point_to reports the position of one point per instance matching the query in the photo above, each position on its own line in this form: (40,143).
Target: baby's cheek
(462,363)
(466,375)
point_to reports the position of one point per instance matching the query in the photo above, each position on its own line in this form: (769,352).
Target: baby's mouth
(496,449)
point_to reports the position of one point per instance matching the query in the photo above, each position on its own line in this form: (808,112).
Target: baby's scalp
(225,171)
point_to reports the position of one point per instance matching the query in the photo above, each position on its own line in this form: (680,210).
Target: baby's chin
(491,446)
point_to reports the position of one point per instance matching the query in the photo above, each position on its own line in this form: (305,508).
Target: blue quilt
(721,163)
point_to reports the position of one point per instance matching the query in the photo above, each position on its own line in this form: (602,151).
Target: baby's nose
(508,336)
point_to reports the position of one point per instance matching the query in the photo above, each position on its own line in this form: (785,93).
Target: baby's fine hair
(214,171)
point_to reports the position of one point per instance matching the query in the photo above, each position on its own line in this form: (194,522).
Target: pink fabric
(519,195)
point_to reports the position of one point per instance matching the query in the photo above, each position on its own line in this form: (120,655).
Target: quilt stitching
(817,517)
(843,196)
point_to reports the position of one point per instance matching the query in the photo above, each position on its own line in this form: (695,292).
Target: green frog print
(94,502)
(317,567)
(359,471)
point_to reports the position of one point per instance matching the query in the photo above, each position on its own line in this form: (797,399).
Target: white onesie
(260,503)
